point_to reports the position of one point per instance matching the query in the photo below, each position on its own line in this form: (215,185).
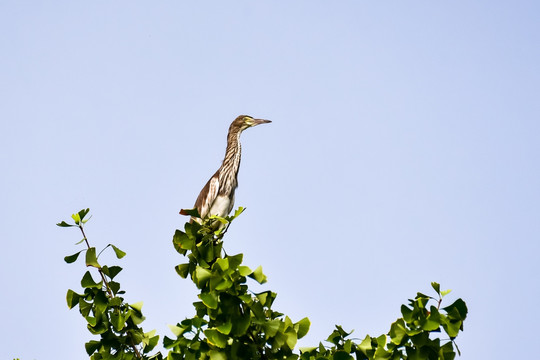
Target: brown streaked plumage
(217,196)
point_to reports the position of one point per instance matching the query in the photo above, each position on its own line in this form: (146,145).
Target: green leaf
(230,218)
(222,263)
(119,253)
(382,354)
(452,328)
(286,338)
(216,338)
(91,258)
(342,332)
(118,321)
(381,340)
(64,224)
(115,301)
(288,323)
(216,355)
(397,332)
(150,345)
(136,316)
(115,287)
(176,330)
(341,355)
(238,212)
(72,258)
(72,299)
(446,352)
(436,287)
(83,213)
(433,321)
(334,337)
(209,299)
(92,346)
(76,218)
(182,240)
(291,339)
(190,212)
(202,275)
(348,346)
(192,229)
(235,260)
(258,275)
(169,343)
(97,329)
(223,285)
(220,219)
(241,323)
(264,296)
(92,321)
(225,328)
(302,327)
(101,301)
(84,307)
(244,270)
(272,327)
(421,300)
(137,306)
(86,220)
(279,340)
(88,282)
(445,292)
(137,335)
(407,313)
(111,271)
(182,270)
(457,310)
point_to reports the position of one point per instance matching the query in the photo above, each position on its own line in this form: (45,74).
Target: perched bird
(217,196)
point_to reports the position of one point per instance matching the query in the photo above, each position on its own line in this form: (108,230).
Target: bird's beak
(256,122)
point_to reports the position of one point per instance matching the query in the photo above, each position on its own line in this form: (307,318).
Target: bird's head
(244,121)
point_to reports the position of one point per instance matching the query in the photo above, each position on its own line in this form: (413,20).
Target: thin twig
(137,353)
(110,293)
(107,287)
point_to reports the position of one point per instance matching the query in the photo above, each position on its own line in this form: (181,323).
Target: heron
(217,196)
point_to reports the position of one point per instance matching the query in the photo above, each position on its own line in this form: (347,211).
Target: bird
(217,196)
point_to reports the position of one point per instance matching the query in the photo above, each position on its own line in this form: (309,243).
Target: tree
(231,322)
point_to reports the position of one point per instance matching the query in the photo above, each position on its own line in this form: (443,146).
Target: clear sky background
(404,149)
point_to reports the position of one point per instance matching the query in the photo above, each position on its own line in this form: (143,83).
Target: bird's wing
(207,196)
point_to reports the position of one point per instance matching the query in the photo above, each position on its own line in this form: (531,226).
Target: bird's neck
(233,155)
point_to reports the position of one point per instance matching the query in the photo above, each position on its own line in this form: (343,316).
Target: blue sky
(403,149)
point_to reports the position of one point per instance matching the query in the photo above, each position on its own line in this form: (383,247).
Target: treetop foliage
(232,322)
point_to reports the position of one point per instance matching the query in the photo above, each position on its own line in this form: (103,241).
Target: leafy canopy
(232,322)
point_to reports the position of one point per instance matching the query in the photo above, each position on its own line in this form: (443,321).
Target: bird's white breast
(221,206)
